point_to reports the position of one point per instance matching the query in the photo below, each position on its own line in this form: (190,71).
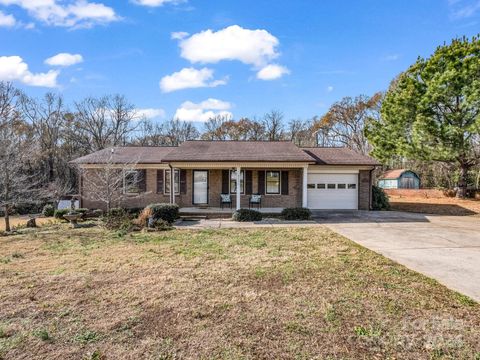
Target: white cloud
(391,57)
(64,59)
(179,35)
(150,113)
(70,13)
(203,111)
(189,78)
(13,68)
(462,9)
(155,3)
(7,20)
(253,47)
(329,89)
(272,72)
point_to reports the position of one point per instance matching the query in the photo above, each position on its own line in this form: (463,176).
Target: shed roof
(395,174)
(339,156)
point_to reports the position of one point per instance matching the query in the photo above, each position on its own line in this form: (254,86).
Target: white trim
(304,187)
(242,192)
(244,165)
(239,171)
(122,166)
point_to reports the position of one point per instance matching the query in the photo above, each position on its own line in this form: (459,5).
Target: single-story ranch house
(234,174)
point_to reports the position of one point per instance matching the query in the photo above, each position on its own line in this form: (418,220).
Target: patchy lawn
(221,294)
(21,220)
(439,206)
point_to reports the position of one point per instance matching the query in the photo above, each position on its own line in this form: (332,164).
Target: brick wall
(364,190)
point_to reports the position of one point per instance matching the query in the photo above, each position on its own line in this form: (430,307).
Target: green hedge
(247,215)
(166,212)
(379,199)
(58,214)
(298,213)
(48,210)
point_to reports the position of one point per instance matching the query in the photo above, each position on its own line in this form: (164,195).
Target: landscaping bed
(290,293)
(440,206)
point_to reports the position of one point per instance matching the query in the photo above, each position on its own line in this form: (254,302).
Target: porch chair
(255,200)
(225,199)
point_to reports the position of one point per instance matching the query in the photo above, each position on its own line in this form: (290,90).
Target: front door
(200,187)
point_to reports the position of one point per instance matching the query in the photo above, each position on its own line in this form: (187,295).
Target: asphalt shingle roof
(127,154)
(339,156)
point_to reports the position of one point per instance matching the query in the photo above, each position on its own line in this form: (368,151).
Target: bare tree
(300,132)
(273,124)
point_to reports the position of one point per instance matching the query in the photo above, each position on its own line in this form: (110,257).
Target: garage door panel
(320,196)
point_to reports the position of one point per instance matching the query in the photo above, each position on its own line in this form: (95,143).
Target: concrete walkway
(446,248)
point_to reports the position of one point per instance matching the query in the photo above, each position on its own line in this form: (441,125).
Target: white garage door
(332,191)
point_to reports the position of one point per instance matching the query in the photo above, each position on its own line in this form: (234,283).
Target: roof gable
(339,156)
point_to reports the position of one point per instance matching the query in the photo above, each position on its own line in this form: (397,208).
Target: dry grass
(221,294)
(440,206)
(19,221)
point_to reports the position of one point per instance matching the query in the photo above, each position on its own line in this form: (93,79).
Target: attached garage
(332,191)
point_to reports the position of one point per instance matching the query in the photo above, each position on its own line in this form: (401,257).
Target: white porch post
(172,182)
(238,188)
(304,187)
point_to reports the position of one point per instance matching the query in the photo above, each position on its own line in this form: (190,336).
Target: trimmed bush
(58,214)
(48,210)
(167,212)
(297,213)
(379,199)
(247,215)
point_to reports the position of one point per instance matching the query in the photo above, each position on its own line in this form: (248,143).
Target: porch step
(186,217)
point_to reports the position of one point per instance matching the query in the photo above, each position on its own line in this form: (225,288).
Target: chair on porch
(255,200)
(225,199)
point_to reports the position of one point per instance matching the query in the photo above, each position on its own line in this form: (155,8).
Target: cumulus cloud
(13,68)
(203,111)
(64,59)
(7,20)
(179,35)
(253,47)
(150,113)
(189,78)
(272,72)
(74,14)
(155,3)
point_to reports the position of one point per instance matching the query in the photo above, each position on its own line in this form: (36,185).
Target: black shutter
(284,182)
(248,182)
(142,180)
(159,181)
(225,181)
(183,181)
(261,182)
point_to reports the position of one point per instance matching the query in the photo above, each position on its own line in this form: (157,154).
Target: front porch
(211,212)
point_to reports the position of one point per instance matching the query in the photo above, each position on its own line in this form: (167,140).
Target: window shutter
(225,181)
(248,182)
(183,181)
(284,182)
(159,181)
(261,182)
(142,180)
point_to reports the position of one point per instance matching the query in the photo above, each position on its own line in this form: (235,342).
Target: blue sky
(236,57)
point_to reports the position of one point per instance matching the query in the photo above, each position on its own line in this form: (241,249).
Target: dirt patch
(16,221)
(440,206)
(224,293)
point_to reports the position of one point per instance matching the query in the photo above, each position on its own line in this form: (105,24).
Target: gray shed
(399,179)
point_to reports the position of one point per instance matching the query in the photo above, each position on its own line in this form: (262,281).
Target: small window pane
(341,186)
(310,186)
(320,186)
(233,182)
(331,186)
(131,180)
(176,181)
(273,182)
(352,186)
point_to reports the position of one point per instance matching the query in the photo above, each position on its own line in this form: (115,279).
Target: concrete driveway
(446,248)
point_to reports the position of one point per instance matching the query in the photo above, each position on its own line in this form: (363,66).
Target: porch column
(172,182)
(238,188)
(304,187)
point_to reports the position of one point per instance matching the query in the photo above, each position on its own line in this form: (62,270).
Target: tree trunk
(7,218)
(463,181)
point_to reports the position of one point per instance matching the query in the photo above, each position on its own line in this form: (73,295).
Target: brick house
(283,174)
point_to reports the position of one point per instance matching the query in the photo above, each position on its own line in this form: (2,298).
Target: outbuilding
(399,179)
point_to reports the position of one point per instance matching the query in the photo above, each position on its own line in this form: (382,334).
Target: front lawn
(295,293)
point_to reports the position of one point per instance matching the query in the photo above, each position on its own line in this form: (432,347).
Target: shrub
(134,211)
(247,215)
(167,212)
(48,210)
(380,199)
(115,212)
(58,214)
(159,224)
(298,213)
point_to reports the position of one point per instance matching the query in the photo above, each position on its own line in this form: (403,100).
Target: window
(331,186)
(233,181)
(320,186)
(310,186)
(272,180)
(352,186)
(176,181)
(341,186)
(131,181)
